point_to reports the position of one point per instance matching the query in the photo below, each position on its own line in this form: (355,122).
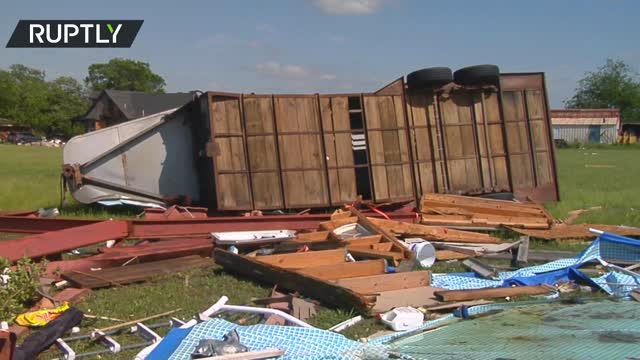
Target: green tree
(124,74)
(48,107)
(613,85)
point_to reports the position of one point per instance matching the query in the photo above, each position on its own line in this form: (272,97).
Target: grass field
(29,177)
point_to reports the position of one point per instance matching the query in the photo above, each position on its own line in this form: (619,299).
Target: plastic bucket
(425,253)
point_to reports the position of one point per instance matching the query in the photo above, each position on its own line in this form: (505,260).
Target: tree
(47,107)
(124,74)
(613,85)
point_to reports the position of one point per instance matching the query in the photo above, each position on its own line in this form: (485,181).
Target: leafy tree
(48,107)
(124,74)
(613,85)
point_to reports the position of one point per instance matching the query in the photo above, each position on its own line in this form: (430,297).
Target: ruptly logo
(74,33)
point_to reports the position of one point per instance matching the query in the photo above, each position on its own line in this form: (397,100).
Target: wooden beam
(334,224)
(491,293)
(444,255)
(346,270)
(416,297)
(386,235)
(305,259)
(316,236)
(387,282)
(433,233)
(310,286)
(362,253)
(364,240)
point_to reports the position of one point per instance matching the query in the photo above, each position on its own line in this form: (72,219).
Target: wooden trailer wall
(301,151)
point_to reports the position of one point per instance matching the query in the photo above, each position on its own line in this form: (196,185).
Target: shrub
(19,285)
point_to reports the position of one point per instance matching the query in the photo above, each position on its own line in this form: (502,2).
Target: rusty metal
(56,242)
(37,225)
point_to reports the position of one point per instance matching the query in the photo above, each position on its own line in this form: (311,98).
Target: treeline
(52,107)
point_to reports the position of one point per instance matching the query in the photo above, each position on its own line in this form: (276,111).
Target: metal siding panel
(580,133)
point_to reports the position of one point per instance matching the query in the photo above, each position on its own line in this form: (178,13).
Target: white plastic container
(403,318)
(425,253)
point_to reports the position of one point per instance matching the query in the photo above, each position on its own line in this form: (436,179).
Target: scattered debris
(467,211)
(403,318)
(577,231)
(134,273)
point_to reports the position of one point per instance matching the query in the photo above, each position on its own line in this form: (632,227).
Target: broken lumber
(310,286)
(56,242)
(415,297)
(490,293)
(432,233)
(457,210)
(135,273)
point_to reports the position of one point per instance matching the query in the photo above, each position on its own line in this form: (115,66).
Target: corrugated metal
(580,133)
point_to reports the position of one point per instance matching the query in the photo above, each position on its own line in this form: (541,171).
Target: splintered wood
(466,211)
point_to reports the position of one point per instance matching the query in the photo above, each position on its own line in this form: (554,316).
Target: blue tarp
(606,246)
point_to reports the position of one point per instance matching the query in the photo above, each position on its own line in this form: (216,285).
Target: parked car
(22,137)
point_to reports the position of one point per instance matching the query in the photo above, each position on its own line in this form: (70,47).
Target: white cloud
(328,77)
(283,70)
(348,7)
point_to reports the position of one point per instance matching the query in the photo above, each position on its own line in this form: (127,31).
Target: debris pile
(377,261)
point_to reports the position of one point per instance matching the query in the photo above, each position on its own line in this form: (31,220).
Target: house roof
(136,104)
(585,117)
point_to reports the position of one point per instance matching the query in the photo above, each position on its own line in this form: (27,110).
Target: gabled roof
(136,104)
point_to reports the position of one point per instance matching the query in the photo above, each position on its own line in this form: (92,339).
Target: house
(586,125)
(7,127)
(112,107)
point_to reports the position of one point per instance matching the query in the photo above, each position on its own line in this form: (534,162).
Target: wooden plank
(491,293)
(334,224)
(415,297)
(135,273)
(386,235)
(305,259)
(316,236)
(444,255)
(387,282)
(480,206)
(359,252)
(310,286)
(345,270)
(433,233)
(363,240)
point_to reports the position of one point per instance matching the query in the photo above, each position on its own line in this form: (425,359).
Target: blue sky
(341,46)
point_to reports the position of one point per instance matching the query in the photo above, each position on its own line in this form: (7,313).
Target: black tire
(478,75)
(429,78)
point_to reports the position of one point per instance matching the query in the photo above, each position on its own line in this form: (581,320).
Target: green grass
(30,180)
(614,188)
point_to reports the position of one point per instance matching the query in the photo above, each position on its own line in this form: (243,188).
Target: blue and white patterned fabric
(606,246)
(296,342)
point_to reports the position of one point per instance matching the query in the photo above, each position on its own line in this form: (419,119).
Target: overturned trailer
(475,132)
